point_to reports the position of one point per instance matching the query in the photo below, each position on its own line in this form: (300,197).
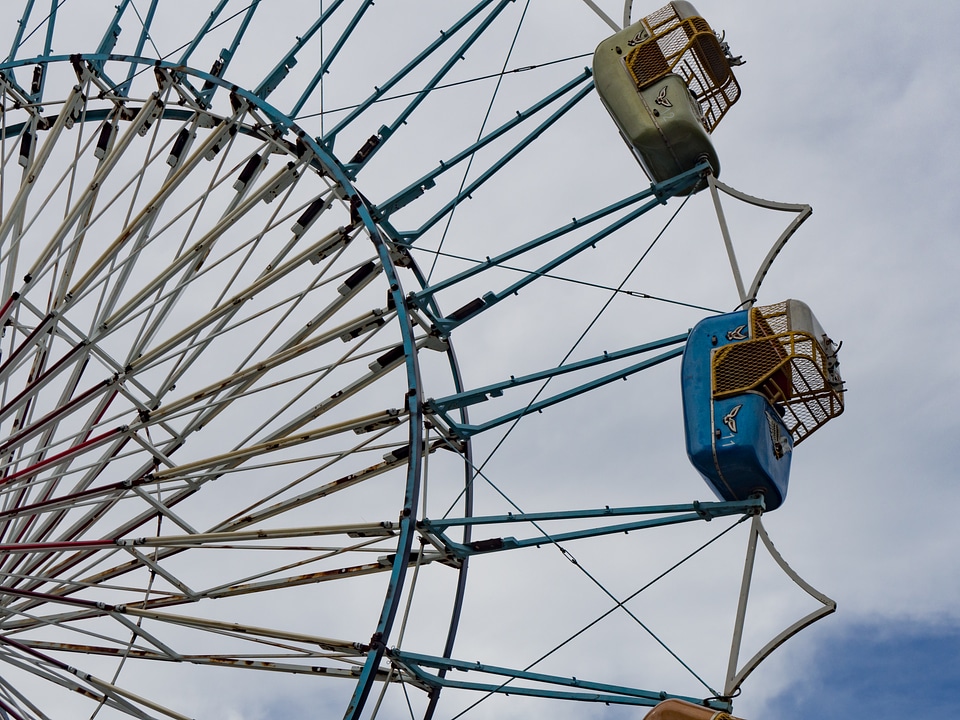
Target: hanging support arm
(443,406)
(573,688)
(661,192)
(671,515)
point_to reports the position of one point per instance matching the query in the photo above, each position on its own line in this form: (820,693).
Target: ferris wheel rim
(333,168)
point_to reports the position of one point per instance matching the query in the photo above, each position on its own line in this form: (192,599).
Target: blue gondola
(756,383)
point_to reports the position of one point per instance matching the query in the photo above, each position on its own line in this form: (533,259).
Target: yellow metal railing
(689,48)
(791,368)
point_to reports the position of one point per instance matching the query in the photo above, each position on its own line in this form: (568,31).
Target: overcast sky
(848,107)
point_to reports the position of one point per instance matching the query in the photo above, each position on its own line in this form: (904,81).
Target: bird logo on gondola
(737,334)
(730,419)
(662,98)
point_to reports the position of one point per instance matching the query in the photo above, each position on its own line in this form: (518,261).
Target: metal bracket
(736,677)
(749,295)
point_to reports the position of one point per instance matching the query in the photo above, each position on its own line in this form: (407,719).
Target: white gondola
(667,82)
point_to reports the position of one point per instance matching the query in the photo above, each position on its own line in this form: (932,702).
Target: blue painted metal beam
(110,37)
(466,431)
(416,189)
(581,690)
(472,397)
(662,192)
(387,130)
(408,513)
(275,115)
(51,24)
(40,74)
(704,510)
(194,44)
(672,515)
(381,90)
(410,236)
(21,26)
(226,55)
(141,43)
(97,114)
(431,290)
(328,60)
(39,77)
(276,76)
(204,29)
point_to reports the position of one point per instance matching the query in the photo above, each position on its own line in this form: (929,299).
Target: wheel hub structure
(191,364)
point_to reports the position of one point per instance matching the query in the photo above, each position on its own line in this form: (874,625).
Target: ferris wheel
(278,285)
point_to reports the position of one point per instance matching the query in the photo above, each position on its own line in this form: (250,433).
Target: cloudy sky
(849,108)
